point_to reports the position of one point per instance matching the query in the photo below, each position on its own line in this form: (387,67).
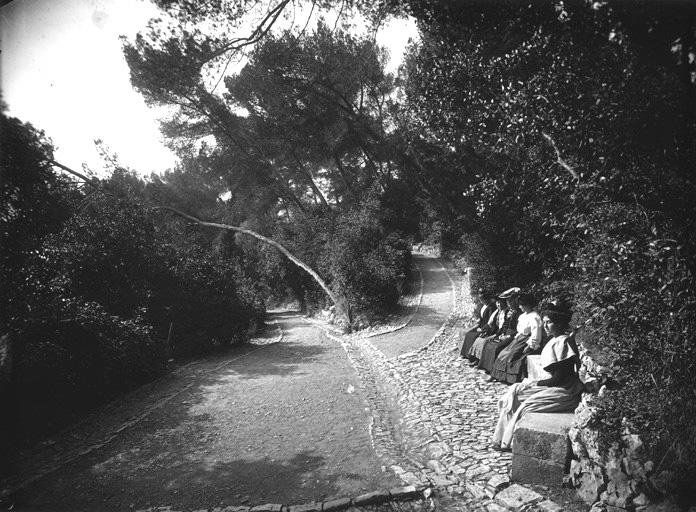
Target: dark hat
(486,293)
(557,311)
(527,299)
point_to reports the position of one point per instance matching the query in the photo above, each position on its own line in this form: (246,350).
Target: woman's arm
(534,341)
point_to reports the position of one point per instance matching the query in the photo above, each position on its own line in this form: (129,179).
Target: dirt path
(283,423)
(435,306)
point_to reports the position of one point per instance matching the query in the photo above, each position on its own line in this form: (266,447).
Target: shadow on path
(281,423)
(180,483)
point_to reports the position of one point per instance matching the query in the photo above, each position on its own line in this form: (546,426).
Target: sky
(62,69)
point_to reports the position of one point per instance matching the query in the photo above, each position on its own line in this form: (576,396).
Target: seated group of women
(506,333)
(501,349)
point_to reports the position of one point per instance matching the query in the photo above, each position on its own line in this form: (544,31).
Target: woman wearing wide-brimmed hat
(486,348)
(559,393)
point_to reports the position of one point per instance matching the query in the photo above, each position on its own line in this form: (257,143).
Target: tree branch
(560,160)
(67,169)
(340,303)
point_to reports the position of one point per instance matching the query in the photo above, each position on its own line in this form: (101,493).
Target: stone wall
(619,478)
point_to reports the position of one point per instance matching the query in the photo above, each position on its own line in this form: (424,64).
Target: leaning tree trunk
(341,304)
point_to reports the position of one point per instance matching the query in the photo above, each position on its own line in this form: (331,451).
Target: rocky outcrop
(618,478)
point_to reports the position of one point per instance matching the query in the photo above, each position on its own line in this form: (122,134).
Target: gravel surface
(286,423)
(313,417)
(435,305)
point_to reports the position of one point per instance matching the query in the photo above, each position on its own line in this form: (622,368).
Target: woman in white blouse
(510,364)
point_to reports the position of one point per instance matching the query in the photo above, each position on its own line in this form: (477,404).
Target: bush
(211,303)
(353,251)
(92,300)
(635,292)
(365,262)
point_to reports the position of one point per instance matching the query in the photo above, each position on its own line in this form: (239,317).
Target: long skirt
(477,347)
(469,338)
(490,352)
(516,368)
(508,354)
(517,400)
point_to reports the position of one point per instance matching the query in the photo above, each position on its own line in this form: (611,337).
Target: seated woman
(495,325)
(484,317)
(510,364)
(560,393)
(491,346)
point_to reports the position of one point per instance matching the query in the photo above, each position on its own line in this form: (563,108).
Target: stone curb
(377,497)
(405,324)
(494,493)
(281,334)
(452,317)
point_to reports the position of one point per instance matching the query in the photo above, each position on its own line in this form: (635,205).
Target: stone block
(410,478)
(268,507)
(531,470)
(371,498)
(534,368)
(306,507)
(437,466)
(441,481)
(476,490)
(543,436)
(518,498)
(498,482)
(549,506)
(438,450)
(403,493)
(333,505)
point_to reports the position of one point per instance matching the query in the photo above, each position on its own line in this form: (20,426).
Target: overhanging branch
(340,304)
(559,159)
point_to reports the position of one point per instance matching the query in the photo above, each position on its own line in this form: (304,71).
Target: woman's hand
(528,383)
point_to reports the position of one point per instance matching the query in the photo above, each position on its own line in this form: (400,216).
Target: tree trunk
(341,304)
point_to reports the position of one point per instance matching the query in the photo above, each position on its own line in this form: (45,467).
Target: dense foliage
(302,140)
(362,260)
(98,291)
(562,132)
(576,122)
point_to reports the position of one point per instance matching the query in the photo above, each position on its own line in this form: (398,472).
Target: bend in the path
(435,307)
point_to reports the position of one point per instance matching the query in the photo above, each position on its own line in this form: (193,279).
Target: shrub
(365,262)
(211,303)
(355,254)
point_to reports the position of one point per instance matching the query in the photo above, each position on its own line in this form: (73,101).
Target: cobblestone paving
(447,416)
